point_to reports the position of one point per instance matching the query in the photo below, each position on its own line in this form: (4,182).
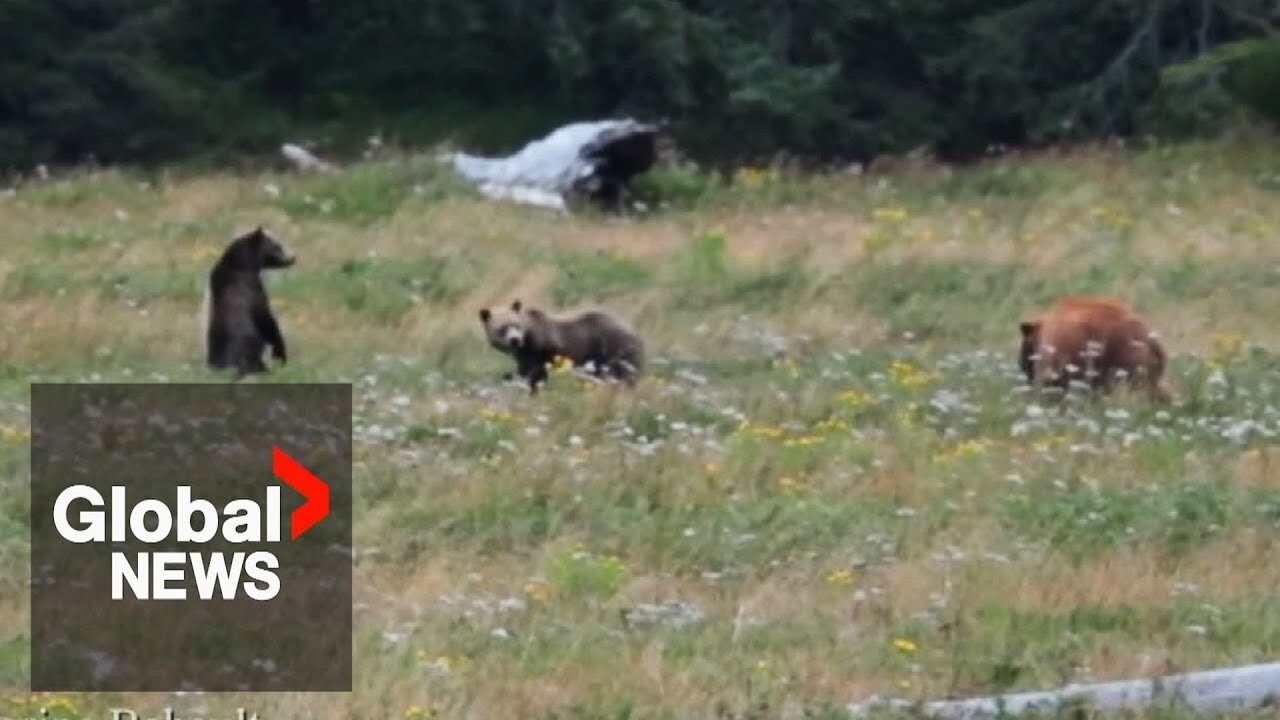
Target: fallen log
(1237,688)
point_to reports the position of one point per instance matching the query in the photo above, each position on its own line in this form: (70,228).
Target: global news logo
(191,536)
(82,515)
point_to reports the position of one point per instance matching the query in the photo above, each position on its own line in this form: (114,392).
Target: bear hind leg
(247,355)
(249,365)
(625,372)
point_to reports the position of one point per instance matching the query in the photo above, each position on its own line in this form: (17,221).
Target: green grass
(831,456)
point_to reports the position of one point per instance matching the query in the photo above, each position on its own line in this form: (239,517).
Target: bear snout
(514,338)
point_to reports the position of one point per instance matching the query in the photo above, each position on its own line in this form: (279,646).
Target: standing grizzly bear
(239,321)
(1095,340)
(534,338)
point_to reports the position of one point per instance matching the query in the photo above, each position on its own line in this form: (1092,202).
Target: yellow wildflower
(854,398)
(496,415)
(560,364)
(840,578)
(889,214)
(875,241)
(831,425)
(750,176)
(908,376)
(960,451)
(15,435)
(791,486)
(1050,442)
(768,432)
(1226,347)
(1116,218)
(906,647)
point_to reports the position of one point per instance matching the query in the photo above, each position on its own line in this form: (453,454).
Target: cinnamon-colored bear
(1094,340)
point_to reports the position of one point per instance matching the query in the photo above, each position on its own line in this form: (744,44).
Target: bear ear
(485,315)
(1029,326)
(515,306)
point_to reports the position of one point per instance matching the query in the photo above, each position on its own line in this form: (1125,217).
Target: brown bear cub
(239,320)
(535,338)
(1095,340)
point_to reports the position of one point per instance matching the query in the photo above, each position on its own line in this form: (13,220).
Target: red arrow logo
(309,486)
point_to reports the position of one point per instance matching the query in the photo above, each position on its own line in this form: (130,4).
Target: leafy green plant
(578,572)
(675,185)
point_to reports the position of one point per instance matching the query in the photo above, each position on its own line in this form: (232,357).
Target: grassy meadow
(831,484)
